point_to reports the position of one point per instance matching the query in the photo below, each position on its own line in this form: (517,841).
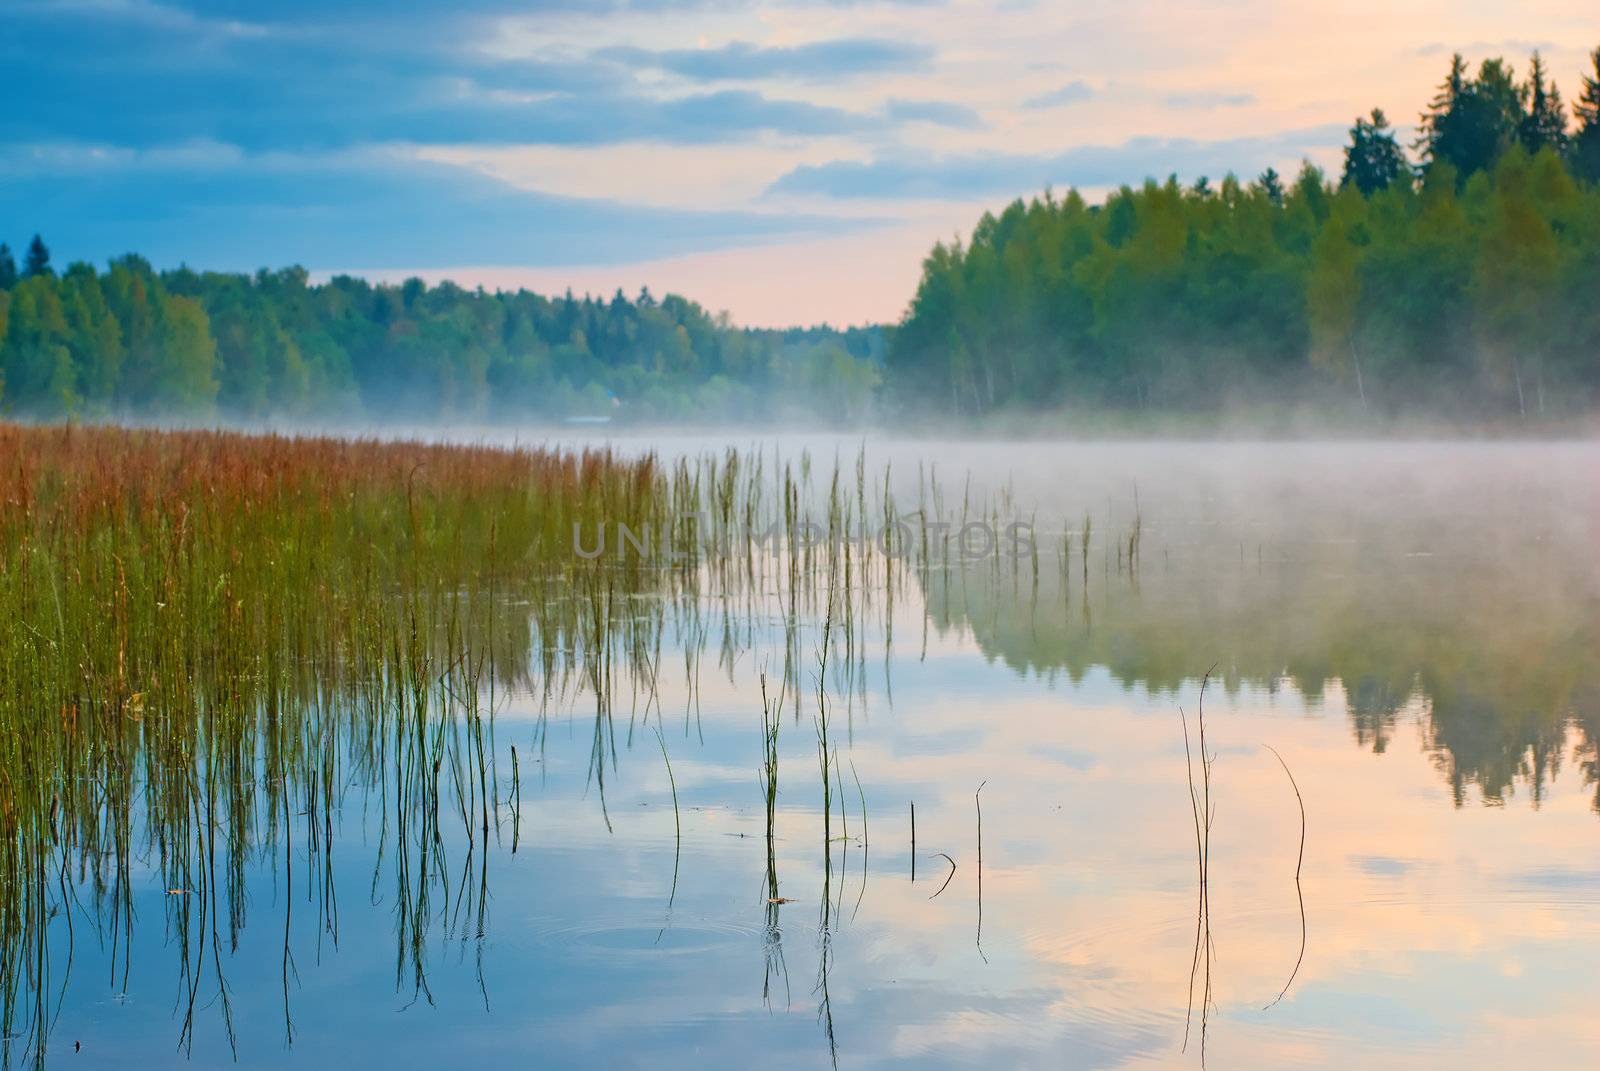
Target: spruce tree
(1471,120)
(1271,184)
(8,268)
(38,262)
(1545,123)
(1437,131)
(1586,142)
(1373,159)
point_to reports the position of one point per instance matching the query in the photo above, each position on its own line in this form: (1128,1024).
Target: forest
(1457,277)
(1461,279)
(132,342)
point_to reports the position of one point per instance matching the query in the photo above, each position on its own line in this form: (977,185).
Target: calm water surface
(1414,628)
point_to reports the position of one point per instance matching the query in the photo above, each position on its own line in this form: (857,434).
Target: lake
(1396,813)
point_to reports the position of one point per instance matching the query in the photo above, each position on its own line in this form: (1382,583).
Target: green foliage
(1333,295)
(1270,184)
(38,262)
(1466,287)
(1373,158)
(1544,126)
(134,341)
(1585,143)
(1515,281)
(1471,120)
(1467,293)
(38,366)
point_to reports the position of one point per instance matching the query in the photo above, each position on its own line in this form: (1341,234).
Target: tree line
(134,342)
(1461,278)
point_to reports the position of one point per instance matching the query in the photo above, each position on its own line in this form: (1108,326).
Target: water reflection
(686,828)
(1493,654)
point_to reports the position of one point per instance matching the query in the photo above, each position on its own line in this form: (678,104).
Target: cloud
(263,99)
(1072,93)
(559,74)
(142,82)
(300,10)
(977,176)
(212,206)
(711,115)
(148,12)
(1211,100)
(937,112)
(439,115)
(742,61)
(1513,45)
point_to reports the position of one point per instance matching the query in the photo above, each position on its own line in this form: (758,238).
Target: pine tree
(1271,184)
(1545,123)
(38,262)
(8,268)
(1586,142)
(1373,159)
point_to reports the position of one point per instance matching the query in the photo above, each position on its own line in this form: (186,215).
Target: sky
(788,162)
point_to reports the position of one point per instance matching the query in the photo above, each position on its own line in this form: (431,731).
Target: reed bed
(213,638)
(202,625)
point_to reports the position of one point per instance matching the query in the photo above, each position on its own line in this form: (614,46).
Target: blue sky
(790,161)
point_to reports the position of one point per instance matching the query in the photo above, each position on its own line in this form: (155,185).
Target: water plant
(218,638)
(206,628)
